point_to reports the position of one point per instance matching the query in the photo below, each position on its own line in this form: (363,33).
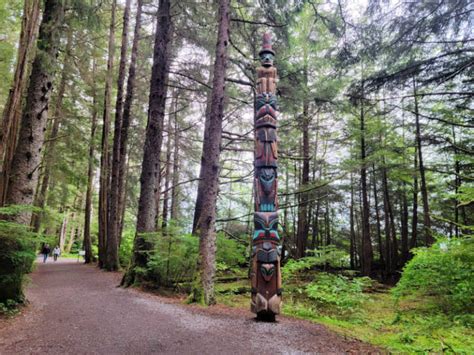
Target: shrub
(174,258)
(17,253)
(445,273)
(337,292)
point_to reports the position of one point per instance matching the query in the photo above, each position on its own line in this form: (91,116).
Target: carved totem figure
(265,276)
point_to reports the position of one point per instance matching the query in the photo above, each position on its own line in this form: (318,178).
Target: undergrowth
(430,311)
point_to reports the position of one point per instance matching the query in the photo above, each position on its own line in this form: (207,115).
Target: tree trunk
(63,230)
(105,156)
(127,112)
(404,223)
(24,173)
(303,225)
(72,234)
(327,223)
(315,226)
(457,184)
(175,180)
(352,229)
(12,111)
(88,257)
(112,259)
(390,237)
(204,287)
(424,191)
(143,244)
(367,252)
(377,216)
(167,176)
(201,183)
(414,222)
(50,151)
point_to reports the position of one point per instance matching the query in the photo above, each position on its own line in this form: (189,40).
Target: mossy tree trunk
(112,258)
(105,154)
(27,157)
(12,112)
(143,244)
(203,290)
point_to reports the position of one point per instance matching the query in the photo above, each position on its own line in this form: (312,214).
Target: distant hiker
(56,252)
(45,251)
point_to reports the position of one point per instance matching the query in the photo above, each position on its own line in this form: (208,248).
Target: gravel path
(78,309)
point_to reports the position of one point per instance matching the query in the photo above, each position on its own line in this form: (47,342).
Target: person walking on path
(56,253)
(45,251)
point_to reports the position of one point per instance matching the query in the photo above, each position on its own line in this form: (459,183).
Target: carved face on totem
(266,58)
(266,224)
(266,177)
(266,99)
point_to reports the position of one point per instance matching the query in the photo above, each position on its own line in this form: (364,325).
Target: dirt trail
(78,309)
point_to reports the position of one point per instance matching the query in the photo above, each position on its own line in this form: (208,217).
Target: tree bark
(63,230)
(424,191)
(204,287)
(164,221)
(201,183)
(414,221)
(88,257)
(390,233)
(175,180)
(12,111)
(303,225)
(367,252)
(353,246)
(404,224)
(377,217)
(127,113)
(50,151)
(24,174)
(112,258)
(457,184)
(105,156)
(143,245)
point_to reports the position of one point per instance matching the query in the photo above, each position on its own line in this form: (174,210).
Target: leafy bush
(337,292)
(445,272)
(175,256)
(17,253)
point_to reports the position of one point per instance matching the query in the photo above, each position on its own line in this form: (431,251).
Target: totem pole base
(261,306)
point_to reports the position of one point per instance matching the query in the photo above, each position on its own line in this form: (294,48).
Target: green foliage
(337,292)
(17,253)
(126,247)
(10,20)
(174,258)
(230,254)
(324,256)
(9,308)
(442,272)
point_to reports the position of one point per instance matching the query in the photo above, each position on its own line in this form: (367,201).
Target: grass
(408,326)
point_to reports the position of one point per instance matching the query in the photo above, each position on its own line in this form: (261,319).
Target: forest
(128,132)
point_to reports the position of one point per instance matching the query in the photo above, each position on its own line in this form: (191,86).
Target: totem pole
(265,275)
